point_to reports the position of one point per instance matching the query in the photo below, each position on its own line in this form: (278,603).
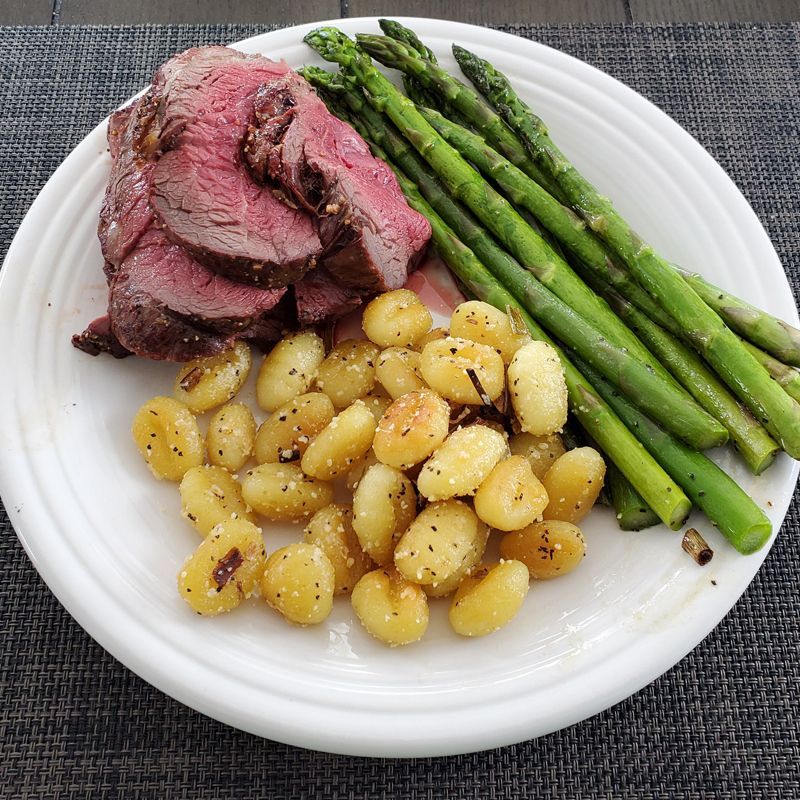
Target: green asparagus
(762,329)
(497,213)
(600,280)
(735,364)
(401,33)
(662,494)
(632,513)
(468,103)
(657,397)
(724,502)
(755,445)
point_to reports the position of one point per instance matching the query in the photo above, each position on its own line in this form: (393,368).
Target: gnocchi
(348,371)
(412,427)
(468,565)
(391,608)
(383,418)
(298,581)
(489,598)
(210,495)
(537,388)
(431,336)
(285,436)
(444,365)
(283,492)
(541,451)
(331,529)
(462,462)
(289,369)
(384,505)
(396,318)
(231,436)
(511,497)
(346,438)
(398,371)
(205,383)
(167,435)
(548,549)
(483,323)
(573,484)
(225,568)
(377,401)
(438,542)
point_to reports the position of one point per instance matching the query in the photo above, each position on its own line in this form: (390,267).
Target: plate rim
(290,731)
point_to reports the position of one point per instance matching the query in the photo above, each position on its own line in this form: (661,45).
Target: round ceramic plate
(108,539)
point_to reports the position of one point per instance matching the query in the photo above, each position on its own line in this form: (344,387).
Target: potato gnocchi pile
(436,436)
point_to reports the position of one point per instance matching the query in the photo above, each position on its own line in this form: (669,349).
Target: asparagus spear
(468,103)
(460,179)
(785,376)
(601,279)
(734,363)
(724,502)
(401,33)
(660,491)
(656,396)
(755,445)
(570,230)
(762,329)
(632,513)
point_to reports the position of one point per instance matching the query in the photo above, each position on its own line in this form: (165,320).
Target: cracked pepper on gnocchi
(400,454)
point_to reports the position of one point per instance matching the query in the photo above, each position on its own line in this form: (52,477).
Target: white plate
(108,539)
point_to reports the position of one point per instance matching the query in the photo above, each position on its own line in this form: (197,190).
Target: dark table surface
(121,12)
(74,723)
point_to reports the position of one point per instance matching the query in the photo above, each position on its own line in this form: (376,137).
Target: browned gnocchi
(413,426)
(446,365)
(331,529)
(206,383)
(231,436)
(283,492)
(439,542)
(480,322)
(299,581)
(573,484)
(168,437)
(412,422)
(348,371)
(210,495)
(397,318)
(511,497)
(384,505)
(537,388)
(489,598)
(289,369)
(393,609)
(285,436)
(548,549)
(398,371)
(347,437)
(462,462)
(541,451)
(225,568)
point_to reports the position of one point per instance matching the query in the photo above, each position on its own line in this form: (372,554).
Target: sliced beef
(203,194)
(126,213)
(372,237)
(165,305)
(319,297)
(99,338)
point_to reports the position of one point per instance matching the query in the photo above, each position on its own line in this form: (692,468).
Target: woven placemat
(74,723)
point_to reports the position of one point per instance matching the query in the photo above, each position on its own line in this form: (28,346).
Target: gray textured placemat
(76,724)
